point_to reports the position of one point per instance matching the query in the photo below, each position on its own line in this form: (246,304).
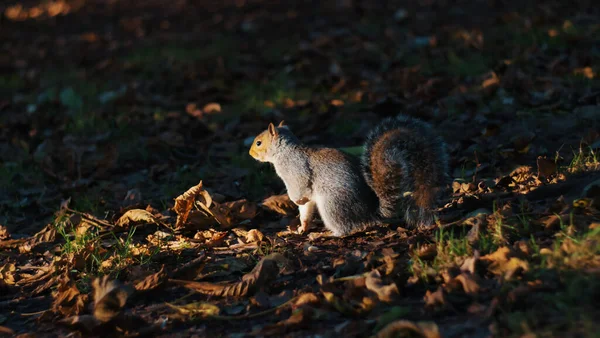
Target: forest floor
(112,112)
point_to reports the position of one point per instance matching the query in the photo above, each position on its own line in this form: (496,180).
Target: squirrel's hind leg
(335,218)
(307,212)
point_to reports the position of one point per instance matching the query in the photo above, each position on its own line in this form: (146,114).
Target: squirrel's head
(262,143)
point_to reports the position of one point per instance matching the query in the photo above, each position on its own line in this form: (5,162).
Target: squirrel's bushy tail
(406,164)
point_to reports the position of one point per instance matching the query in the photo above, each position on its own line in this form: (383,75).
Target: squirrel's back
(406,164)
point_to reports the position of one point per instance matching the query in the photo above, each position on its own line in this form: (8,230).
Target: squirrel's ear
(281,124)
(272,130)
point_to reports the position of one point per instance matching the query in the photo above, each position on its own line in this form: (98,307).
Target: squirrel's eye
(258,143)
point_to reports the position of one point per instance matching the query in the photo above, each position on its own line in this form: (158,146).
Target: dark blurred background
(101,97)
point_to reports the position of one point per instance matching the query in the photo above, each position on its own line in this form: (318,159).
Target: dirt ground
(129,205)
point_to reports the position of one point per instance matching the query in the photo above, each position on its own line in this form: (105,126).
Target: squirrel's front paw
(304,227)
(302,201)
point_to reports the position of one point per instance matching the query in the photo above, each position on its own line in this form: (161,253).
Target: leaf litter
(104,228)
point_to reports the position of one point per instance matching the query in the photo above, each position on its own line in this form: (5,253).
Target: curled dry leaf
(184,204)
(262,275)
(280,204)
(109,298)
(254,236)
(7,275)
(502,263)
(405,328)
(134,216)
(152,281)
(46,235)
(307,298)
(68,301)
(435,299)
(469,285)
(4,234)
(385,293)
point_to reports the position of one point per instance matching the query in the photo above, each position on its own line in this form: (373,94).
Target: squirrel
(403,167)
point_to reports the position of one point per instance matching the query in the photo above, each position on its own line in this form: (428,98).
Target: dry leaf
(153,281)
(197,309)
(135,216)
(109,298)
(184,204)
(241,209)
(546,167)
(280,204)
(502,263)
(3,233)
(7,275)
(468,283)
(254,236)
(68,301)
(262,275)
(385,293)
(307,298)
(405,328)
(435,299)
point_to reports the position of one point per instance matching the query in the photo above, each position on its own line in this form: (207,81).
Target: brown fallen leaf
(110,297)
(7,275)
(6,331)
(46,235)
(262,275)
(240,209)
(435,299)
(385,293)
(468,283)
(184,204)
(546,167)
(254,236)
(280,204)
(134,216)
(197,309)
(307,298)
(4,234)
(405,328)
(152,281)
(502,263)
(68,301)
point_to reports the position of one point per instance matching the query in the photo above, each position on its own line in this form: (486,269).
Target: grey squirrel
(403,166)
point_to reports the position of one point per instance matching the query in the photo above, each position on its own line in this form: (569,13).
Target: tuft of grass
(584,159)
